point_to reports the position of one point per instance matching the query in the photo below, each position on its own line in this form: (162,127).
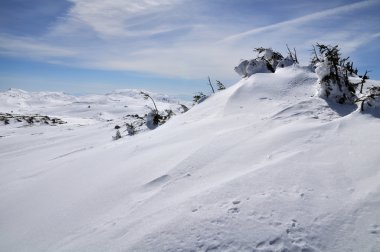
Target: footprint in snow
(270,244)
(279,244)
(233,210)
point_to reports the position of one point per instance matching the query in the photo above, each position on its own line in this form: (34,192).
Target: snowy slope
(261,166)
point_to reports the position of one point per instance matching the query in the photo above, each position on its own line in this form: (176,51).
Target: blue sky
(169,46)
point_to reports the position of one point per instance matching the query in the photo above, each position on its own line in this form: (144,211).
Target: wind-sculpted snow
(265,165)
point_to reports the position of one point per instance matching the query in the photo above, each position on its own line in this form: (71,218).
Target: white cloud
(113,18)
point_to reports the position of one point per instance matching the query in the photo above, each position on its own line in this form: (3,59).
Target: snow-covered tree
(333,81)
(371,99)
(266,61)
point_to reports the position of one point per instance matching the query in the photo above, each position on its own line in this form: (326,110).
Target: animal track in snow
(158,181)
(73,152)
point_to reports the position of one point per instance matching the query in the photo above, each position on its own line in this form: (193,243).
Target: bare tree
(209,82)
(146,97)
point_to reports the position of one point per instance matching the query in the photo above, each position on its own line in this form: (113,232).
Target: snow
(265,165)
(285,62)
(322,69)
(267,54)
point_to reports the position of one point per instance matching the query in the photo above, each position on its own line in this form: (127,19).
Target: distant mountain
(117,103)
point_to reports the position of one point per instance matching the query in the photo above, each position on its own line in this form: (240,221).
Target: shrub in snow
(153,117)
(371,99)
(183,108)
(131,129)
(364,78)
(220,85)
(117,136)
(266,61)
(134,124)
(199,97)
(30,119)
(168,114)
(156,119)
(333,82)
(152,120)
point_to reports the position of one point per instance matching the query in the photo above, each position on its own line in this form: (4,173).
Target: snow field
(264,165)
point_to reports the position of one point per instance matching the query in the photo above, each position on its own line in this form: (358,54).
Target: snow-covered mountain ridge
(264,165)
(112,107)
(20,100)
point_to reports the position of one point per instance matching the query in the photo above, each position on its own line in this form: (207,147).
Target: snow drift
(265,165)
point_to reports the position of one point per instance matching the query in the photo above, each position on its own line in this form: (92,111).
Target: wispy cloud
(304,19)
(30,47)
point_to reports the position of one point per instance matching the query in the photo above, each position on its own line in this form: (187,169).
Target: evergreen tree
(333,75)
(220,85)
(199,97)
